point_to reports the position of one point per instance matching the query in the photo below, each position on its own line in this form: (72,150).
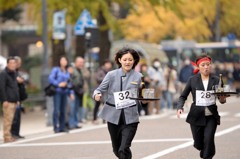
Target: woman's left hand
(72,97)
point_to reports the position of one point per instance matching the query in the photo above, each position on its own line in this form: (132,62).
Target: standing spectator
(77,81)
(120,112)
(9,97)
(147,81)
(203,116)
(155,73)
(86,81)
(22,96)
(101,73)
(236,76)
(60,77)
(170,75)
(185,73)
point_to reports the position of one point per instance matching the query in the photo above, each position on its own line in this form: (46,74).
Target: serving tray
(225,93)
(149,99)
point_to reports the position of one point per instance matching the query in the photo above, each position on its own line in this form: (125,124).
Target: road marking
(150,117)
(92,142)
(237,115)
(184,115)
(56,135)
(187,144)
(223,113)
(226,131)
(169,150)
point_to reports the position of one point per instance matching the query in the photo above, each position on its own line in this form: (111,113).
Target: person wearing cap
(203,116)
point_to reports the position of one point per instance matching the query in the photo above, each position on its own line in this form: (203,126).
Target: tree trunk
(215,25)
(80,46)
(104,41)
(217,21)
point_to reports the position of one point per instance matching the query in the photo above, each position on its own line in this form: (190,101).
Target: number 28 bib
(205,98)
(122,99)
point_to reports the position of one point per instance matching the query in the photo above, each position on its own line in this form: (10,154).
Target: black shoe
(65,130)
(78,127)
(18,137)
(21,137)
(23,110)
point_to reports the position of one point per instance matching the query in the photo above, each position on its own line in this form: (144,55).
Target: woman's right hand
(179,112)
(98,97)
(62,84)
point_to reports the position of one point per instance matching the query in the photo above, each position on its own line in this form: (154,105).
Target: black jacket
(196,115)
(8,86)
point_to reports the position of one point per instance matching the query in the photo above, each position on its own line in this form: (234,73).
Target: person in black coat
(9,97)
(16,124)
(203,116)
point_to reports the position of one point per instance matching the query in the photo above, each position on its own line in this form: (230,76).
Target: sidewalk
(32,123)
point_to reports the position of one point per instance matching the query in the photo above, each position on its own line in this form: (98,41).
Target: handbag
(22,92)
(50,90)
(78,90)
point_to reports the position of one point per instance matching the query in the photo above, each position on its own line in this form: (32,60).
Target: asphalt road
(158,136)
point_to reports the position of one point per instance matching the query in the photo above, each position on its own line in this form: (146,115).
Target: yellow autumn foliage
(143,23)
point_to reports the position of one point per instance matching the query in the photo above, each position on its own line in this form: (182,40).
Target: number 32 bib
(204,98)
(122,100)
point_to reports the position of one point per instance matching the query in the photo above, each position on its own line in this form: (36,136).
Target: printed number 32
(124,95)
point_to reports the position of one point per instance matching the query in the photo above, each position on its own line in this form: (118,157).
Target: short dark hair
(107,61)
(10,58)
(126,50)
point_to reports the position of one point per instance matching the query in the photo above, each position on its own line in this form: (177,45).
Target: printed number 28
(206,95)
(123,96)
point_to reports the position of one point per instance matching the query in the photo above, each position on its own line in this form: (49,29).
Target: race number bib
(122,99)
(205,98)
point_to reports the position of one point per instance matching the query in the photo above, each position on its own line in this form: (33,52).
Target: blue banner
(84,21)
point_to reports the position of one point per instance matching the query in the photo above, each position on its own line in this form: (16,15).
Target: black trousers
(203,137)
(16,122)
(122,136)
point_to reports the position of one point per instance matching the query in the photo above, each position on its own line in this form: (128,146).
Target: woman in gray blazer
(119,111)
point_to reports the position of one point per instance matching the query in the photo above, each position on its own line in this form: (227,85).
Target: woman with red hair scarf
(203,116)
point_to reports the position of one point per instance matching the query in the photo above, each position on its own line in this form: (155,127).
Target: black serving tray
(225,93)
(149,99)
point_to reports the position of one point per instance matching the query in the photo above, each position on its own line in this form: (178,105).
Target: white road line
(237,115)
(223,114)
(184,115)
(162,140)
(226,131)
(169,150)
(93,142)
(187,144)
(150,117)
(55,135)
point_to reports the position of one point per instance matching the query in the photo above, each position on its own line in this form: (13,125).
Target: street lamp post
(88,46)
(45,46)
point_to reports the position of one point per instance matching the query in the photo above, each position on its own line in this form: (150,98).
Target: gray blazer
(116,81)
